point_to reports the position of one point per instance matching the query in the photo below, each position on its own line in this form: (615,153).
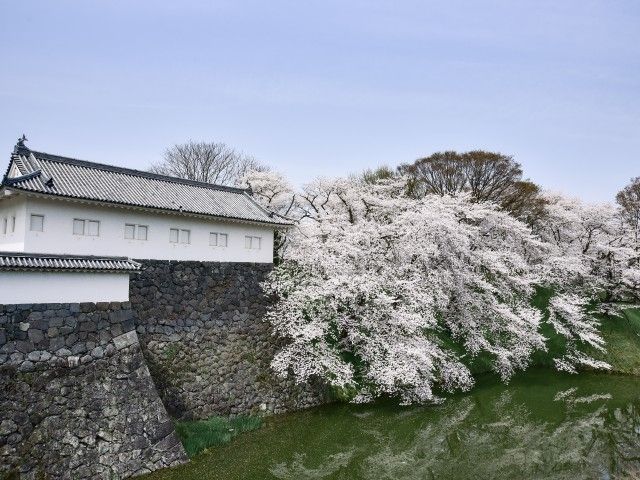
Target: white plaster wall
(63,287)
(58,236)
(10,206)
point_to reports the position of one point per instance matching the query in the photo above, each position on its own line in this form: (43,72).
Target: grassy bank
(622,335)
(198,435)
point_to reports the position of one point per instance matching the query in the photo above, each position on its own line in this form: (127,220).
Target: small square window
(256,244)
(93,228)
(78,227)
(136,232)
(37,223)
(129,231)
(173,235)
(86,227)
(252,243)
(142,232)
(185,236)
(218,239)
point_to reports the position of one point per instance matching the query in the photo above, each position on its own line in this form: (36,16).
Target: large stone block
(125,340)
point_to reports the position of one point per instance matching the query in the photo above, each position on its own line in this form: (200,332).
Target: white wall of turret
(50,225)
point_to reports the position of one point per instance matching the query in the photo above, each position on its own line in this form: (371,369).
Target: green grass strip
(199,435)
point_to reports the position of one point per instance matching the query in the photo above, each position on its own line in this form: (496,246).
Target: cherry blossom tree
(272,190)
(275,193)
(629,201)
(592,266)
(383,294)
(594,252)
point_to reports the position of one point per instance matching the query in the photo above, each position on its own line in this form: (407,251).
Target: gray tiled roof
(38,261)
(67,177)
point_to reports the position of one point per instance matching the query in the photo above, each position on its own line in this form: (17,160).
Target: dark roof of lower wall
(72,263)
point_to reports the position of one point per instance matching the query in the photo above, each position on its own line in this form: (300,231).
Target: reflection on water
(297,469)
(543,425)
(506,440)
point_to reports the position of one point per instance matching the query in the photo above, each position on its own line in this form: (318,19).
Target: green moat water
(543,425)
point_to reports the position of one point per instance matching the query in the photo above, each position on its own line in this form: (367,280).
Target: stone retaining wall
(208,348)
(79,383)
(76,397)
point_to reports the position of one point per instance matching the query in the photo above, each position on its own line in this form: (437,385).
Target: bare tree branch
(209,162)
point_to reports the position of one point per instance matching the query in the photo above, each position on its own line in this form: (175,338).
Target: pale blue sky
(331,87)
